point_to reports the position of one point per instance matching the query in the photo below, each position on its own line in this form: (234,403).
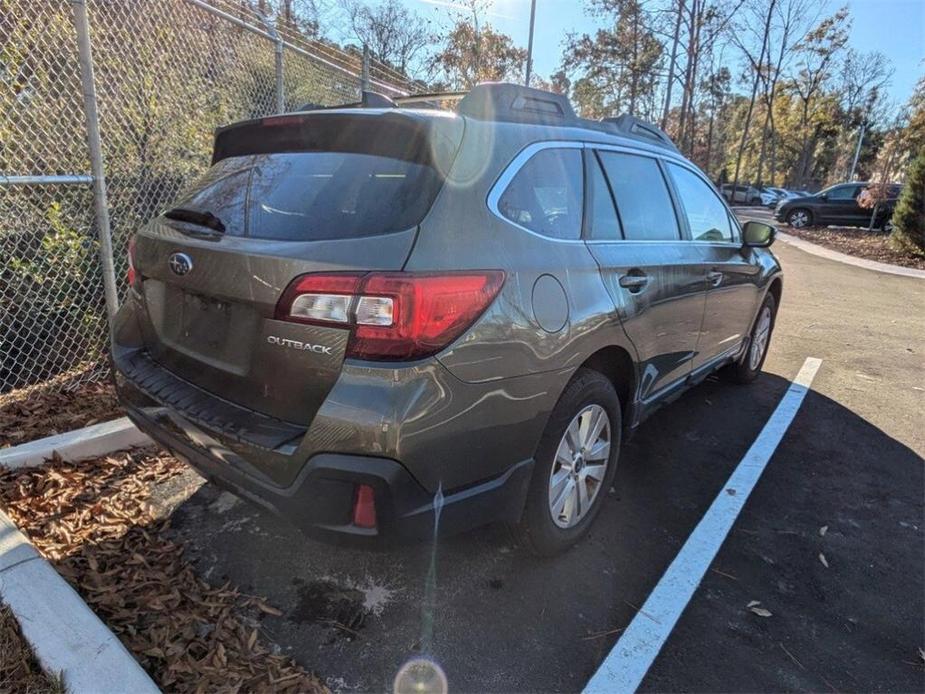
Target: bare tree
(394,34)
(757,66)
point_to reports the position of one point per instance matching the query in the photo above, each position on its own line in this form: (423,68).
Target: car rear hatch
(336,191)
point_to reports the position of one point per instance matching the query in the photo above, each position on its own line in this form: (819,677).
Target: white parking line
(629,661)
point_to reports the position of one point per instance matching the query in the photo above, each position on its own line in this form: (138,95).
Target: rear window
(356,188)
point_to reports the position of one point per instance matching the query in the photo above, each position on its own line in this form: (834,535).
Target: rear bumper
(320,501)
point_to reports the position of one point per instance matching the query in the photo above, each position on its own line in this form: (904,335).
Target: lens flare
(420,676)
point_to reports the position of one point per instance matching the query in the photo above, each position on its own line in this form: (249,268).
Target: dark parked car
(363,317)
(837,205)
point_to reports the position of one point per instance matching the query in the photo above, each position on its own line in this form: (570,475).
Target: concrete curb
(65,635)
(838,257)
(81,444)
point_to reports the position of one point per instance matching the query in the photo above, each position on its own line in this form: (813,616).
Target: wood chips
(92,520)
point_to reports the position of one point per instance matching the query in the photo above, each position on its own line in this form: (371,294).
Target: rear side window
(545,194)
(642,197)
(706,215)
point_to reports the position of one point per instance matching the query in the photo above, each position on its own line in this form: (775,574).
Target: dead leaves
(61,404)
(93,520)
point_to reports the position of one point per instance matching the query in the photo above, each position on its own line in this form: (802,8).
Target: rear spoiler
(392,134)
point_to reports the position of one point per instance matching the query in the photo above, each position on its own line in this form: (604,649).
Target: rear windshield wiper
(203,219)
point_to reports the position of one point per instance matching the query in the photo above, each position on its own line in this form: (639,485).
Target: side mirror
(758,234)
(823,196)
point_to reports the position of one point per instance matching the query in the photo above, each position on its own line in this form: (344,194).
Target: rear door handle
(635,283)
(715,277)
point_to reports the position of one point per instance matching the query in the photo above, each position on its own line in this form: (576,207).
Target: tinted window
(545,195)
(309,196)
(642,197)
(842,193)
(602,221)
(705,214)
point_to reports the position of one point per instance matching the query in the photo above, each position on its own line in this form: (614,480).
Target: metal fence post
(280,89)
(101,204)
(364,74)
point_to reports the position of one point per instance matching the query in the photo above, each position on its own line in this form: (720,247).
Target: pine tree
(909,217)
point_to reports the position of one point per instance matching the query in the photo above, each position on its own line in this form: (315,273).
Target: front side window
(545,195)
(706,215)
(842,193)
(642,197)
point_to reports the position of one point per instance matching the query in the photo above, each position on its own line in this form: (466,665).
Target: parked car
(770,195)
(748,195)
(364,317)
(837,205)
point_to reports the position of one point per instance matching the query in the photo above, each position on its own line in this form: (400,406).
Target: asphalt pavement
(830,542)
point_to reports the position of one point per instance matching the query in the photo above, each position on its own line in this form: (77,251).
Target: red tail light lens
(394,315)
(131,275)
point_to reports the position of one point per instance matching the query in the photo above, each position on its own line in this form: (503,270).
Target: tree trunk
(751,103)
(671,65)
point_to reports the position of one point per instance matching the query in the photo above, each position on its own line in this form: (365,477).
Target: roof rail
(367,100)
(502,101)
(630,125)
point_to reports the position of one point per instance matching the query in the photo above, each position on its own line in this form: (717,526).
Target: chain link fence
(167,73)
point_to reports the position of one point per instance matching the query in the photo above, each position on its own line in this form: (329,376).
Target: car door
(652,273)
(840,205)
(731,273)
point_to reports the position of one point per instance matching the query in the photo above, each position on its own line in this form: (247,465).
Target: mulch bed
(94,521)
(61,404)
(861,243)
(19,670)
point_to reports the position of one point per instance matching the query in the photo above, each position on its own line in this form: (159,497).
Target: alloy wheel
(760,338)
(580,466)
(799,219)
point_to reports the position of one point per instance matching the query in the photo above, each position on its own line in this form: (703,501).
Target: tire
(754,201)
(749,365)
(886,225)
(587,396)
(800,218)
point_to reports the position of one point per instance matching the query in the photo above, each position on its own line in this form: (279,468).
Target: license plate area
(216,332)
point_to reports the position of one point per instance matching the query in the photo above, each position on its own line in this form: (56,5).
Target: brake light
(131,275)
(393,315)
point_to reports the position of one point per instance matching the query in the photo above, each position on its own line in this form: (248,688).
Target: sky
(896,28)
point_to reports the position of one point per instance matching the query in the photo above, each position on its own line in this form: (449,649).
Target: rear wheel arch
(617,365)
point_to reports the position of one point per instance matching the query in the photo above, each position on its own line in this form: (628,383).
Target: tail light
(392,315)
(131,275)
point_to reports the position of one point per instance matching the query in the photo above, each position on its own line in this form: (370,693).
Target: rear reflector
(364,507)
(394,315)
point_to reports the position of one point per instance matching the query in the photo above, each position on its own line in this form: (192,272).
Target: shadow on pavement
(506,621)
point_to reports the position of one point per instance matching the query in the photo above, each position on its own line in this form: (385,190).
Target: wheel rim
(799,219)
(760,338)
(580,466)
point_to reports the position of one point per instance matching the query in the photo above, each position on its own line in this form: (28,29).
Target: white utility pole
(530,43)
